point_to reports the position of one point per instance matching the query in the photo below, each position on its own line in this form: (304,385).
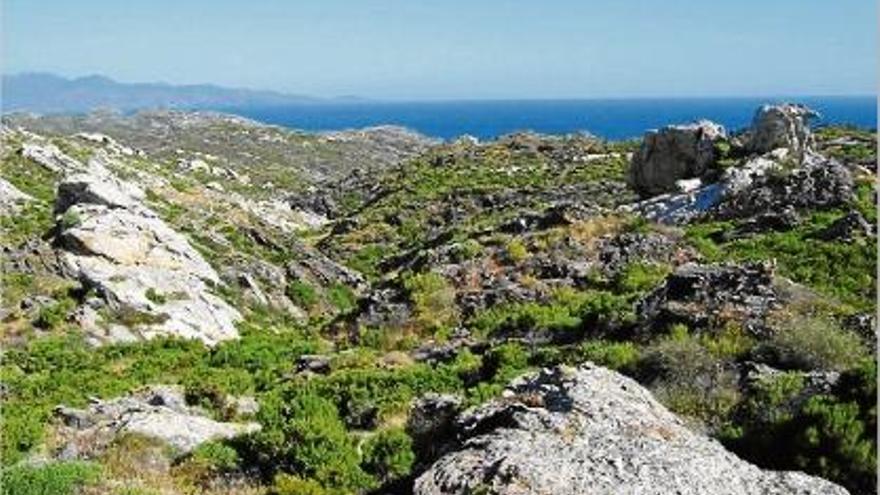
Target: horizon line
(357,99)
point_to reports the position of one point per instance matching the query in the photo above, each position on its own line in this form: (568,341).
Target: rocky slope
(345,312)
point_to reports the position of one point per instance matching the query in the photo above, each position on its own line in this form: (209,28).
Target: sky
(457,49)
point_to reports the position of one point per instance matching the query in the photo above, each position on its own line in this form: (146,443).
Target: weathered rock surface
(847,228)
(592,430)
(11,198)
(157,412)
(674,153)
(819,183)
(781,126)
(699,295)
(431,423)
(154,281)
(760,185)
(49,157)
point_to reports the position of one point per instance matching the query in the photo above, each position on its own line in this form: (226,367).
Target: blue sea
(612,119)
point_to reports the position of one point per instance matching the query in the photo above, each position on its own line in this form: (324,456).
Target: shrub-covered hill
(198,304)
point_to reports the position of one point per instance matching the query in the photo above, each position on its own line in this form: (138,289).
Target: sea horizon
(609,118)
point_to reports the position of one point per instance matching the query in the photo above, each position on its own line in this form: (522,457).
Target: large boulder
(158,412)
(781,126)
(154,282)
(592,430)
(672,154)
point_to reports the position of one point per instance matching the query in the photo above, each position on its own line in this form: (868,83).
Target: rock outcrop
(11,198)
(158,412)
(819,183)
(672,154)
(154,282)
(781,126)
(786,173)
(49,157)
(700,295)
(592,430)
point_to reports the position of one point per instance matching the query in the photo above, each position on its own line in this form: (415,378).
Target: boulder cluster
(769,167)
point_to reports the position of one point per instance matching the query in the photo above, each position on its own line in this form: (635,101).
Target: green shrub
(812,343)
(516,251)
(388,455)
(640,277)
(731,342)
(286,484)
(215,457)
(341,297)
(505,362)
(467,250)
(302,294)
(156,297)
(688,379)
(832,435)
(433,300)
(56,478)
(53,315)
(620,356)
(303,434)
(567,311)
(70,219)
(366,260)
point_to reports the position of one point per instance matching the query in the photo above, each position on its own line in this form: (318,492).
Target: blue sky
(431,49)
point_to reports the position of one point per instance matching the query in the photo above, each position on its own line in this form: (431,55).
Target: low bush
(53,315)
(388,455)
(812,343)
(688,379)
(433,300)
(302,294)
(516,251)
(155,296)
(303,435)
(287,484)
(55,478)
(341,297)
(831,435)
(640,277)
(620,356)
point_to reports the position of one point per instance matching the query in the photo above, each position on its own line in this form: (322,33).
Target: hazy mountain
(49,93)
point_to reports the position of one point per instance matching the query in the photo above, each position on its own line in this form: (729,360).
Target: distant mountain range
(49,93)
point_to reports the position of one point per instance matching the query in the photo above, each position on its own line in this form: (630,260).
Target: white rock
(595,431)
(11,198)
(50,157)
(781,126)
(674,153)
(158,412)
(138,263)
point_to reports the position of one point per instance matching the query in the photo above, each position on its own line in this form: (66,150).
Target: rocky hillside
(198,303)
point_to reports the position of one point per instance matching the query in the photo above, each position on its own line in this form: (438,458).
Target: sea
(613,119)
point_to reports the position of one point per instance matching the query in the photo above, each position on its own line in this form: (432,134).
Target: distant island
(50,93)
